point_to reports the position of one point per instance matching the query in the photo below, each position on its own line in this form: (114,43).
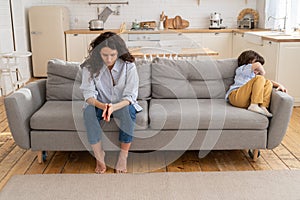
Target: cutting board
(176,23)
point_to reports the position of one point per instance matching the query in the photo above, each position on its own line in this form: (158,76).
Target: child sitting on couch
(251,89)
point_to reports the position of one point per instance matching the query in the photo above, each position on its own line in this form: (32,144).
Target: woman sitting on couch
(110,88)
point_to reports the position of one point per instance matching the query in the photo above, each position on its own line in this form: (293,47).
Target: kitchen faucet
(284,18)
(278,18)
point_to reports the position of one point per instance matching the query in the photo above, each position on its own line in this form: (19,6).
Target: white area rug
(190,185)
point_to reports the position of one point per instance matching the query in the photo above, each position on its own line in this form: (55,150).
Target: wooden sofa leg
(255,154)
(40,157)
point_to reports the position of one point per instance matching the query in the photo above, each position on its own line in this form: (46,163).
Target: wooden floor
(14,160)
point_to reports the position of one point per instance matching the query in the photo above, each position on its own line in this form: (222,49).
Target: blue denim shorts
(126,121)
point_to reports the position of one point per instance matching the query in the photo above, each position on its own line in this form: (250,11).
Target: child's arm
(258,69)
(279,86)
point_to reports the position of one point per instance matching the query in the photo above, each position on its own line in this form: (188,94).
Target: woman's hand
(107,112)
(110,110)
(104,113)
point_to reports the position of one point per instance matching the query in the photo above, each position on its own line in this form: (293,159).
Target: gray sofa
(183,109)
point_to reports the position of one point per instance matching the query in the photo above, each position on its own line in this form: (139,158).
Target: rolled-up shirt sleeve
(130,92)
(87,85)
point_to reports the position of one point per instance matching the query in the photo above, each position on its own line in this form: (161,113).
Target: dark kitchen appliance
(246,23)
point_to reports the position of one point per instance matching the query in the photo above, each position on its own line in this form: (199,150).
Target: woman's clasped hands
(107,111)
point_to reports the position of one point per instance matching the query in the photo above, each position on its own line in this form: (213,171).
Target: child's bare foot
(121,166)
(100,164)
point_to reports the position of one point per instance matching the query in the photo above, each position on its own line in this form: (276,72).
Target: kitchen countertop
(192,30)
(183,52)
(88,31)
(283,38)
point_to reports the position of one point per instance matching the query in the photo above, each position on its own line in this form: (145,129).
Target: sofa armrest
(20,106)
(281,107)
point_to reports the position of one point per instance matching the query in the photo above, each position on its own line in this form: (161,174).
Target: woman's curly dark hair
(94,60)
(248,56)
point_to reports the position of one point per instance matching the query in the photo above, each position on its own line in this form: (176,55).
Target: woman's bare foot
(100,164)
(121,166)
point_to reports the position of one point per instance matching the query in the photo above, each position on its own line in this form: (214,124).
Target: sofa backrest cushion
(63,81)
(192,79)
(144,72)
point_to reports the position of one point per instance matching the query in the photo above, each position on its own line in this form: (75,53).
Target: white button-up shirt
(121,83)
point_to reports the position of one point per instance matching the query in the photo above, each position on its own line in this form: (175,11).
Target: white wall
(21,37)
(6,39)
(143,10)
(13,37)
(6,36)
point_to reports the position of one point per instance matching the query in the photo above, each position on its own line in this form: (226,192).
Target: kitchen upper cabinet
(219,42)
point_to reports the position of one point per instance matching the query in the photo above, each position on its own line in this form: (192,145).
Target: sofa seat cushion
(202,114)
(68,115)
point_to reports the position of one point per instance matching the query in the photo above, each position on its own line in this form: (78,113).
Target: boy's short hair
(249,56)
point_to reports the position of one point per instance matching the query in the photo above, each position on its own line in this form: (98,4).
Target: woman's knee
(126,111)
(89,111)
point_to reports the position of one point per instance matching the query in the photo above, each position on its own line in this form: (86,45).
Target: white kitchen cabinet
(78,44)
(146,40)
(76,47)
(281,65)
(183,40)
(270,50)
(239,44)
(219,42)
(89,38)
(288,68)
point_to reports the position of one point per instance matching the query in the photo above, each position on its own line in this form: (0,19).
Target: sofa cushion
(202,114)
(192,79)
(144,72)
(63,81)
(68,116)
